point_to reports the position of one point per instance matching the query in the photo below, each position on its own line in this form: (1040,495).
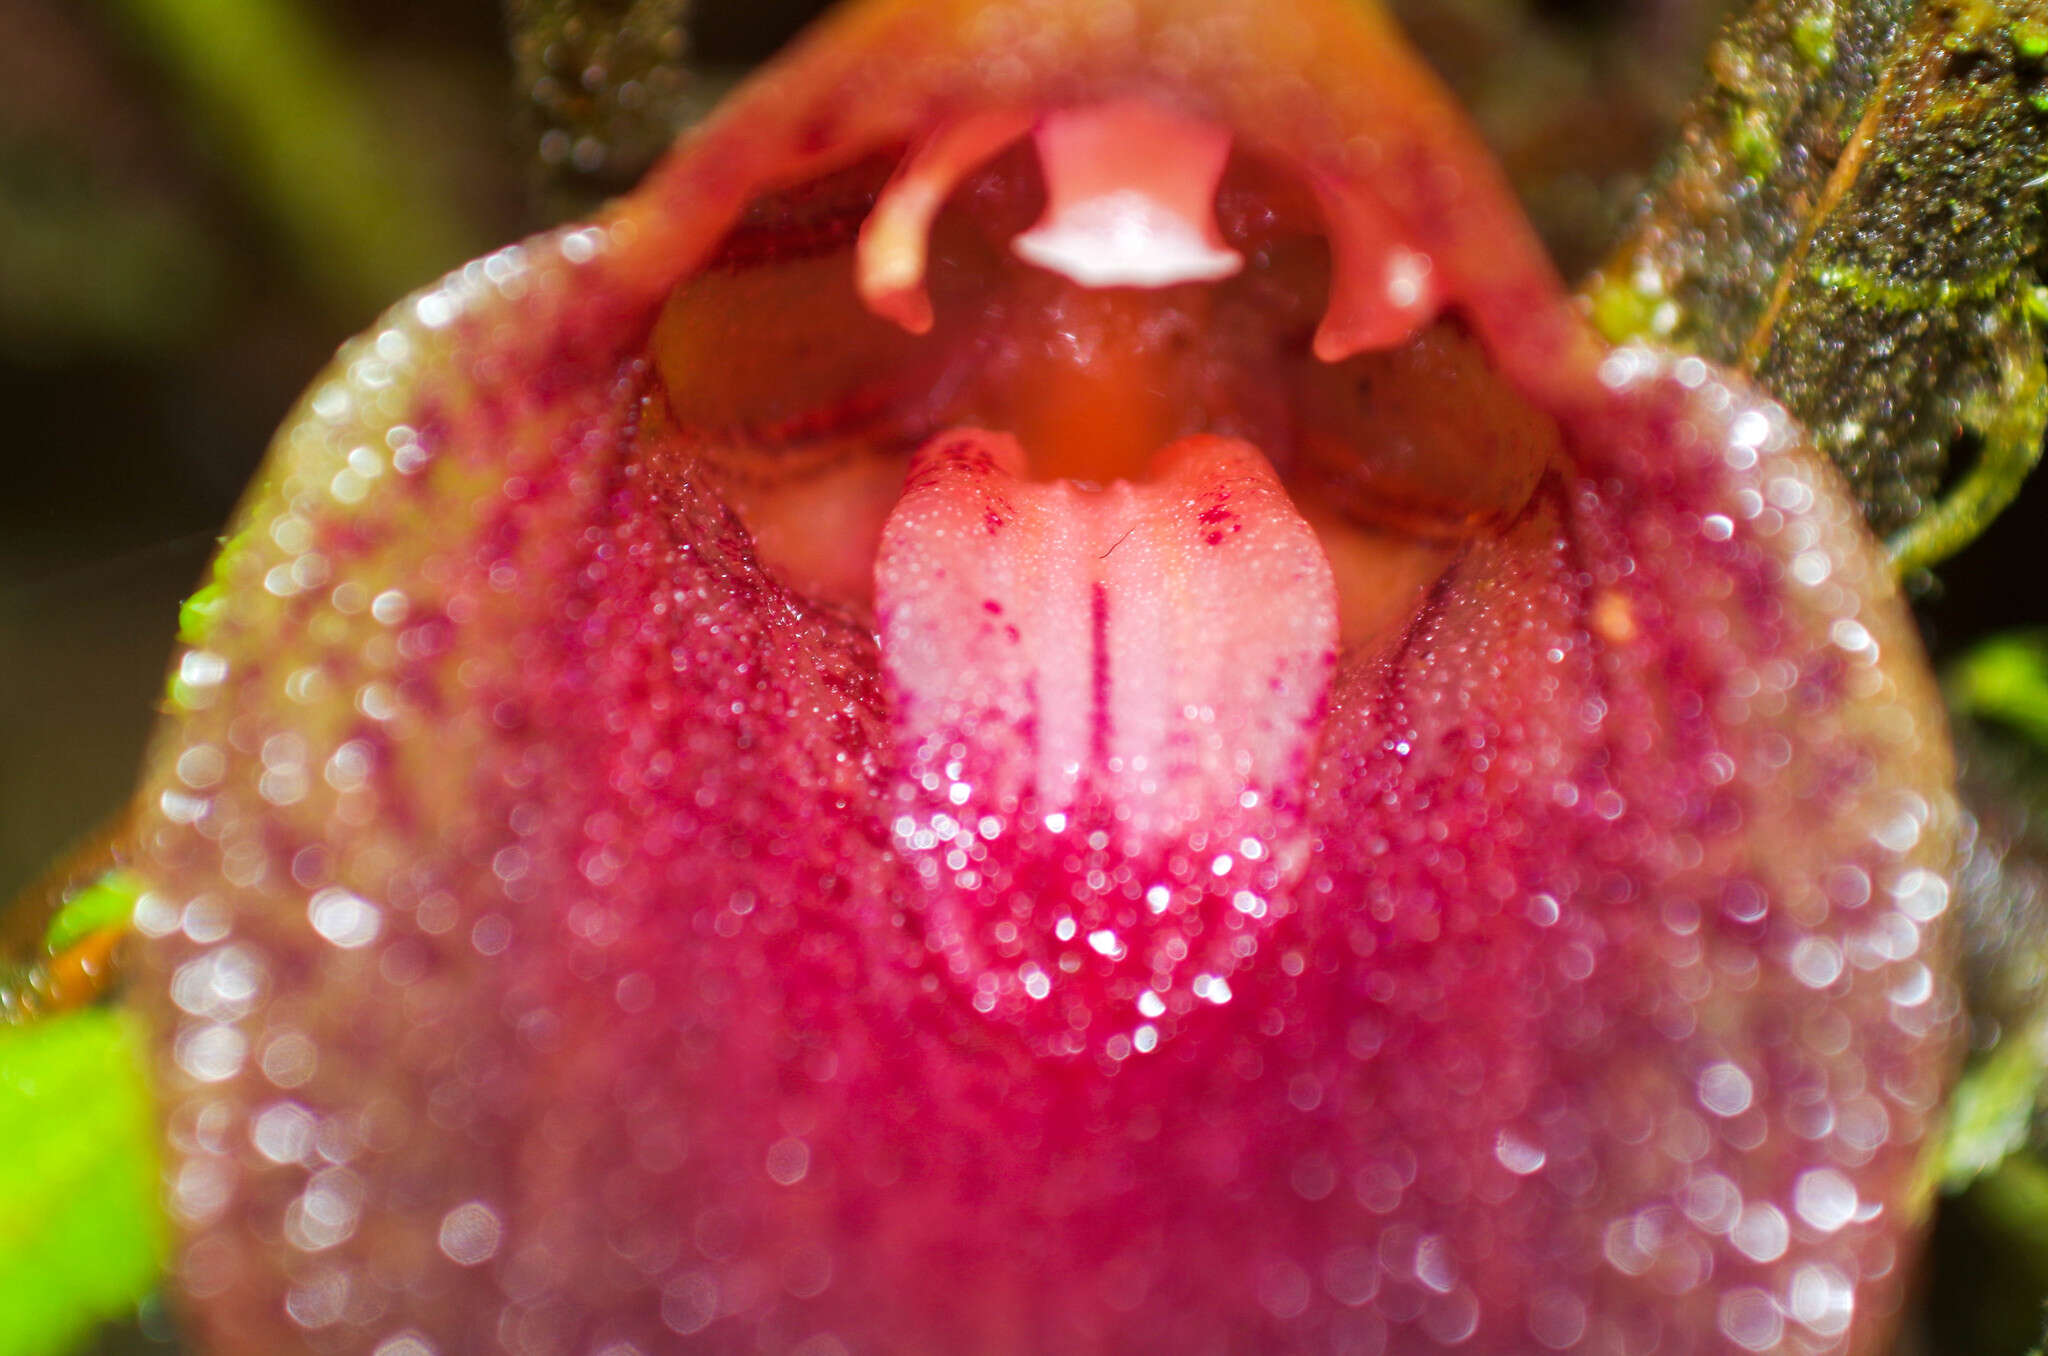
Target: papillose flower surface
(1047,700)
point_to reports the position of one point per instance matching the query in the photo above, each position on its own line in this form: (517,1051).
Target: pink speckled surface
(539,963)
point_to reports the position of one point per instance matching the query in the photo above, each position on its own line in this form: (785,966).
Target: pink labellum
(1047,699)
(1097,685)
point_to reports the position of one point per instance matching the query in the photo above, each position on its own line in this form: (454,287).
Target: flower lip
(1151,506)
(649,983)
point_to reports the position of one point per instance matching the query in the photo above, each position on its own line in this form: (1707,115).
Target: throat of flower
(1114,436)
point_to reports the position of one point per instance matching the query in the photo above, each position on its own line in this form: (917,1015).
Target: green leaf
(1851,220)
(2005,679)
(82,1236)
(106,903)
(1998,695)
(1990,1112)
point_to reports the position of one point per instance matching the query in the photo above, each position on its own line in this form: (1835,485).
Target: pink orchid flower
(1048,699)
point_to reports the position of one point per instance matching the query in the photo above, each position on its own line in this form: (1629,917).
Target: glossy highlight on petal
(1129,198)
(783,778)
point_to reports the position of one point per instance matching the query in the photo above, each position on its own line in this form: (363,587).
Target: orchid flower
(1047,698)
